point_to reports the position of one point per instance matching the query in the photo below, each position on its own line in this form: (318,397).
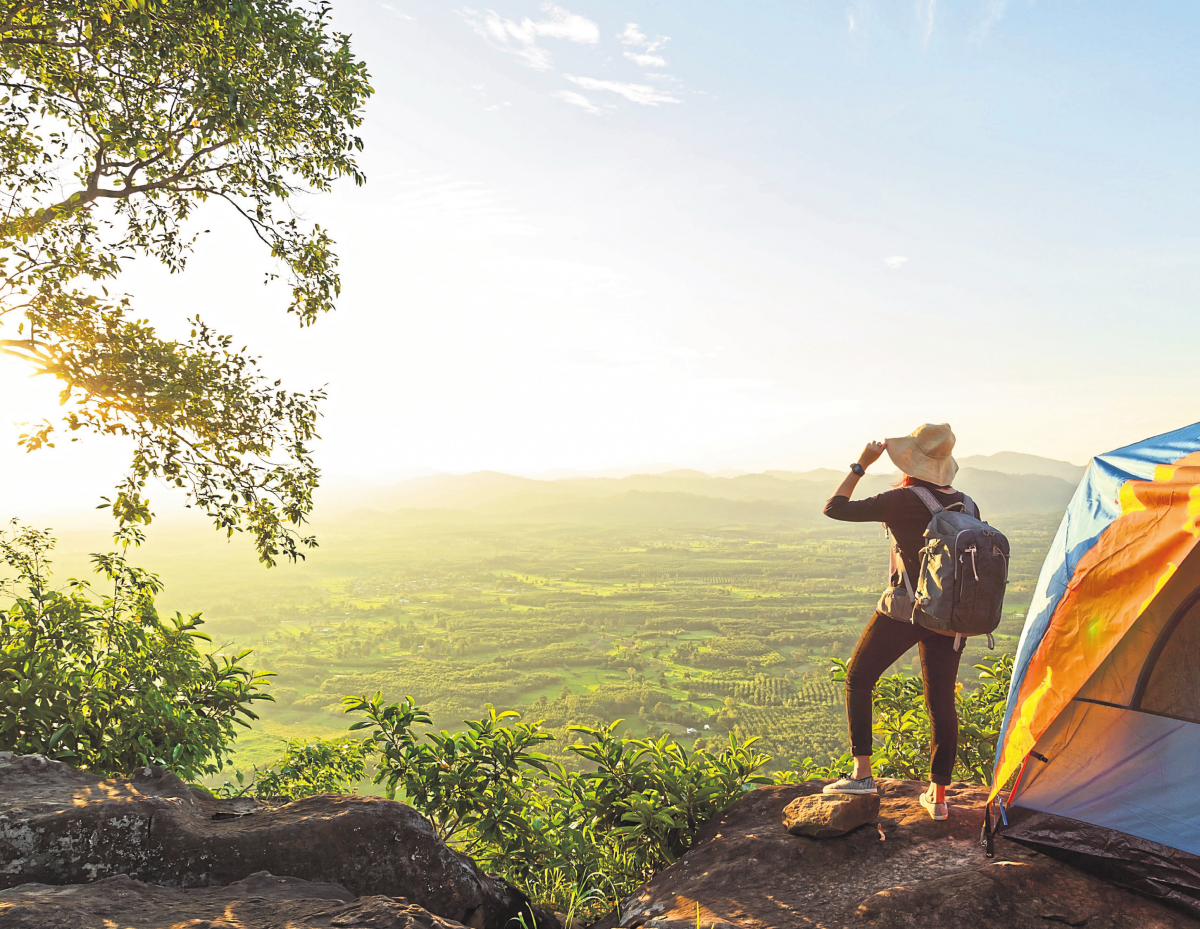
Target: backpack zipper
(956,564)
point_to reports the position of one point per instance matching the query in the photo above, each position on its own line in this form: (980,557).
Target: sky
(621,235)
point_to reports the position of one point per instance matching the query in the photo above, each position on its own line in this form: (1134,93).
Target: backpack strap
(931,504)
(896,562)
(928,499)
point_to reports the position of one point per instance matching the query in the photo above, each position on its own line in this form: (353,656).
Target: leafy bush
(903,723)
(306,767)
(576,840)
(108,686)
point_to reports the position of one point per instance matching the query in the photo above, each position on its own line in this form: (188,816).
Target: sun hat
(926,454)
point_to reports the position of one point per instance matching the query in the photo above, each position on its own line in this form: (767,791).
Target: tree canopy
(119,119)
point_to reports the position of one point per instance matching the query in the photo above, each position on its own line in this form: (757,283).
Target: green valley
(692,627)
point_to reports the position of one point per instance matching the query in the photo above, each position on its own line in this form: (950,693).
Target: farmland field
(687,632)
(680,603)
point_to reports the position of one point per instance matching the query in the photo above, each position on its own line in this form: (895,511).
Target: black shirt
(902,512)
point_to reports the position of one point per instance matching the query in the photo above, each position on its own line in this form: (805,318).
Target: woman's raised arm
(839,506)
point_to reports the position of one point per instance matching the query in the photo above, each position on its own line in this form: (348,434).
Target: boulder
(63,826)
(746,872)
(824,816)
(261,901)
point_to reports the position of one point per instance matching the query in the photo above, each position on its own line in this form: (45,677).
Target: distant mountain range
(1007,483)
(1018,463)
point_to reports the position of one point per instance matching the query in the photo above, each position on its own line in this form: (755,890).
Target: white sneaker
(850,785)
(936,811)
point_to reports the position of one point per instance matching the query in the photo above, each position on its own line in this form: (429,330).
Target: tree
(119,119)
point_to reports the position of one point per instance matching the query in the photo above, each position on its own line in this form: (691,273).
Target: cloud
(565,25)
(569,96)
(994,13)
(395,12)
(647,61)
(926,12)
(895,262)
(485,96)
(637,93)
(646,57)
(520,39)
(633,35)
(858,19)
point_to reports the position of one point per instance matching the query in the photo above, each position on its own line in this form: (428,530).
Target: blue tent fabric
(1128,771)
(1093,508)
(1103,713)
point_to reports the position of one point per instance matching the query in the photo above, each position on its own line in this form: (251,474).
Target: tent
(1102,727)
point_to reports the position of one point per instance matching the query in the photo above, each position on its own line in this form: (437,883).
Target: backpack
(964,570)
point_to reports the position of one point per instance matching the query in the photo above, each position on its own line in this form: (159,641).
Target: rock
(62,826)
(261,901)
(1032,894)
(823,816)
(744,872)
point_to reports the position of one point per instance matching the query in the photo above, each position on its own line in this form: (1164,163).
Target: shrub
(108,685)
(575,840)
(903,723)
(306,767)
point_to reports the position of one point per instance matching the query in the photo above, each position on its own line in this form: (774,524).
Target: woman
(925,459)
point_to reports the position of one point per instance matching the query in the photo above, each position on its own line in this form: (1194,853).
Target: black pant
(882,642)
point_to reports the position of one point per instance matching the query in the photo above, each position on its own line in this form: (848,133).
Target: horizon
(661,468)
(334,499)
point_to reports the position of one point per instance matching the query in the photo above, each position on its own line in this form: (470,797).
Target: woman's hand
(869,456)
(871,453)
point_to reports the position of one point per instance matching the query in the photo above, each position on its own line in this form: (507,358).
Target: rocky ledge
(78,851)
(899,870)
(60,826)
(261,901)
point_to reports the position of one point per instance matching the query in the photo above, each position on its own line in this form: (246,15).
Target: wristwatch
(858,469)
